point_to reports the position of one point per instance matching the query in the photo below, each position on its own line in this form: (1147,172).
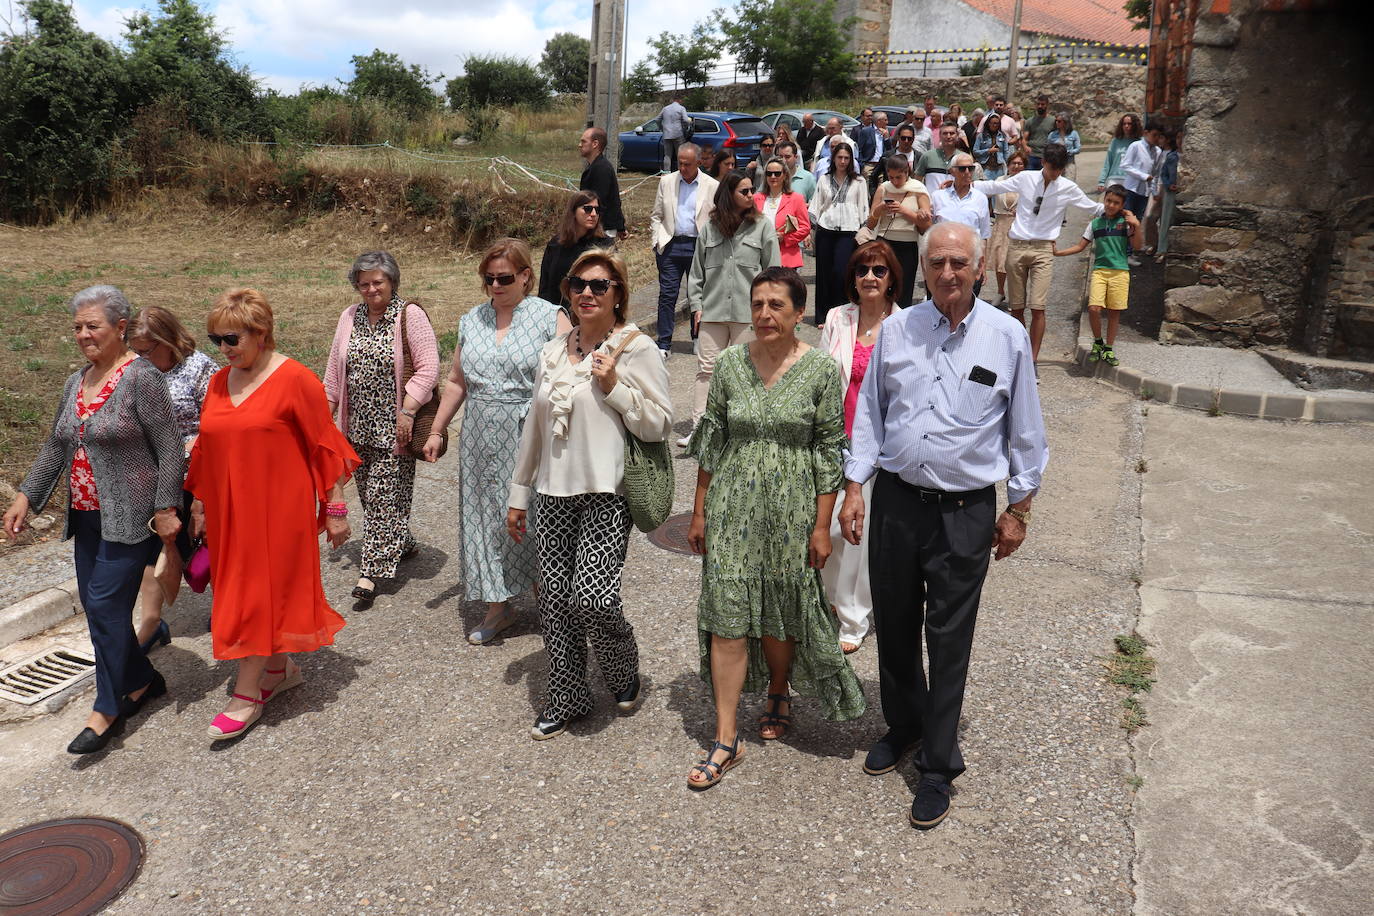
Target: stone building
(904,25)
(1273,240)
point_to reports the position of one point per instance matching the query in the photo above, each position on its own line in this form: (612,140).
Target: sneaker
(931,803)
(628,700)
(664,354)
(886,752)
(1096,353)
(1109,357)
(1133,261)
(546,727)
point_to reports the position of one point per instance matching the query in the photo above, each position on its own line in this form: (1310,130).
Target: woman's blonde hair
(513,250)
(159,326)
(242,309)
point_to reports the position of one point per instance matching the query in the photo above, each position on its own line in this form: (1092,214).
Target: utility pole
(603,74)
(1011,55)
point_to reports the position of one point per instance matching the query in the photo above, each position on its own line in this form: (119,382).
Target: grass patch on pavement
(1131,667)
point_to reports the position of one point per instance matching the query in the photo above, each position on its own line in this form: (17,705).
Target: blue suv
(642,148)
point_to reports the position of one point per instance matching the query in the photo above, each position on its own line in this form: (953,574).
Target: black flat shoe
(628,700)
(161,637)
(88,742)
(886,753)
(157,687)
(931,803)
(364,594)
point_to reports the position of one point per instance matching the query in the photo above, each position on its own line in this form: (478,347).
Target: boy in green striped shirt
(1110,287)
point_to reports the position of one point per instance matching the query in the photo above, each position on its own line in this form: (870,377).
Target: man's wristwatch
(1021,515)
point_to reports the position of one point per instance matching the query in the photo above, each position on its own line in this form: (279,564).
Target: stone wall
(1266,248)
(1096,94)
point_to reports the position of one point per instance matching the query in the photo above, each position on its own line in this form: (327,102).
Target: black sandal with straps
(774,719)
(706,766)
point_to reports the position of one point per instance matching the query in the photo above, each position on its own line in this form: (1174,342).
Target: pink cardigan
(424,351)
(794,205)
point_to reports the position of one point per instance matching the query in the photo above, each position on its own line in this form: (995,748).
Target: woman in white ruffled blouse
(572,461)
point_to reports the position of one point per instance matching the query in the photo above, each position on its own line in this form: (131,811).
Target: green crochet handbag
(648,473)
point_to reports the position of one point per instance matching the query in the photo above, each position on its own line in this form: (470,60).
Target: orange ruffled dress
(263,469)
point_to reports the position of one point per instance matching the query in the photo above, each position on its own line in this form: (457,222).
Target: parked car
(792,117)
(896,114)
(642,148)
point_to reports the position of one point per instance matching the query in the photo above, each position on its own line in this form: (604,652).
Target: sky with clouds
(287,43)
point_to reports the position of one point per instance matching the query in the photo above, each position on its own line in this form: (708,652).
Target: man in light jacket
(676,125)
(681,207)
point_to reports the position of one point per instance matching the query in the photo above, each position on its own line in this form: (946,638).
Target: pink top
(82,480)
(790,204)
(424,352)
(857,370)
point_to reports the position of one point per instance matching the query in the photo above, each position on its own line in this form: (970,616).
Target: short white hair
(970,234)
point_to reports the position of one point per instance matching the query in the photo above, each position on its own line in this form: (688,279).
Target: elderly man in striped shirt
(948,408)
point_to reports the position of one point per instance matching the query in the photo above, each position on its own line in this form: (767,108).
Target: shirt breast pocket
(975,403)
(713,258)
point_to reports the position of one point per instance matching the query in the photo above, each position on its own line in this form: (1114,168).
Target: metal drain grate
(43,675)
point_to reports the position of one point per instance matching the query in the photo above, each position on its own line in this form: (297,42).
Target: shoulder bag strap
(624,343)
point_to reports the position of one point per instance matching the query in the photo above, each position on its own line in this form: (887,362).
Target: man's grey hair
(836,121)
(920,112)
(880,114)
(970,235)
(376,260)
(913,109)
(689,147)
(110,299)
(955,160)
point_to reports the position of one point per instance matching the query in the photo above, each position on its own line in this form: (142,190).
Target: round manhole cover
(71,866)
(672,534)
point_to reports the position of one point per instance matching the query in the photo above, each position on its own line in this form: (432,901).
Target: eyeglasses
(1038,201)
(962,168)
(372,284)
(772,174)
(220,340)
(878,270)
(143,351)
(590,208)
(599,286)
(498,279)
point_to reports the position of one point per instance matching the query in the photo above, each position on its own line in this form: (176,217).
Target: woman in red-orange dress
(267,471)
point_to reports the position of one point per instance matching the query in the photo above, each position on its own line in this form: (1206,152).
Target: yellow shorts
(1109,289)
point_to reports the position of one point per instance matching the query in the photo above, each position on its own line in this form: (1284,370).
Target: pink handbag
(197,570)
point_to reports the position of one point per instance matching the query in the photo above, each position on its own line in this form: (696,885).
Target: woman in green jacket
(736,245)
(1127,132)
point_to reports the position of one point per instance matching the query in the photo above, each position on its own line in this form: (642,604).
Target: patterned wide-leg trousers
(386,483)
(582,542)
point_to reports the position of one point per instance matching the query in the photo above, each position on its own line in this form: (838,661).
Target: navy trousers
(673,263)
(108,576)
(1137,204)
(833,251)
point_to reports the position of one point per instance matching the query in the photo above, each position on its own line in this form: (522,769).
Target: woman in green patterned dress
(770,466)
(493,373)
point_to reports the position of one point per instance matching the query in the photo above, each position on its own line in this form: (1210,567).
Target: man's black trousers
(928,555)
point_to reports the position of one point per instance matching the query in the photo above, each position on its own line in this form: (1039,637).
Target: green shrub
(386,78)
(976,67)
(492,79)
(698,99)
(640,85)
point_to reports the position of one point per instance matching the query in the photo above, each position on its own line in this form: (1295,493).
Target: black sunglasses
(590,208)
(498,279)
(962,168)
(220,339)
(599,286)
(1038,201)
(878,270)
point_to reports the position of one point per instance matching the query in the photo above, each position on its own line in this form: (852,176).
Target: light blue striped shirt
(921,417)
(687,205)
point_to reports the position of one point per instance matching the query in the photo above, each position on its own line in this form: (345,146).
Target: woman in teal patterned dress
(493,371)
(769,453)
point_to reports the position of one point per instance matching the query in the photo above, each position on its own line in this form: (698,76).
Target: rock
(1201,304)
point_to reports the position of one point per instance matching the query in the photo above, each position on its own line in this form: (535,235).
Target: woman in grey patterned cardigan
(115,442)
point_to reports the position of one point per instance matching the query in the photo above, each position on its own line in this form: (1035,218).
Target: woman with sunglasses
(1064,133)
(755,167)
(593,386)
(375,407)
(784,209)
(268,473)
(493,372)
(159,337)
(838,209)
(769,449)
(872,279)
(1128,130)
(580,230)
(736,244)
(114,443)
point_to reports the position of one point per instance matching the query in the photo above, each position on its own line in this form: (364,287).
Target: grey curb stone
(36,613)
(1193,397)
(1244,403)
(1360,410)
(1285,407)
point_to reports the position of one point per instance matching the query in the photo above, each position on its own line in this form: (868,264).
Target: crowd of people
(920,397)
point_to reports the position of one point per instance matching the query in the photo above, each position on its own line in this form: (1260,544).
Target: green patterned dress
(770,453)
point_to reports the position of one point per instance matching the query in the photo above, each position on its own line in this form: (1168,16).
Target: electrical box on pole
(603,74)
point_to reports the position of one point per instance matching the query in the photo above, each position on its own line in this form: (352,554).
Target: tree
(565,62)
(64,96)
(385,77)
(641,84)
(798,41)
(688,57)
(178,55)
(492,79)
(1138,11)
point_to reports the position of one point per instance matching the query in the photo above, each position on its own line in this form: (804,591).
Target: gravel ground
(400,778)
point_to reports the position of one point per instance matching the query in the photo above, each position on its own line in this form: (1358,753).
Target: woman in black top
(580,230)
